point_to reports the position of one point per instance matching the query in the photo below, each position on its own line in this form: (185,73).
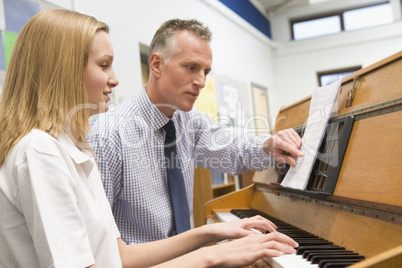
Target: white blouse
(53,208)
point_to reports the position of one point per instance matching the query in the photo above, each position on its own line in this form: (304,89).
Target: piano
(362,210)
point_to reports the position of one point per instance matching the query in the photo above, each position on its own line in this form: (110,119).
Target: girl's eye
(104,66)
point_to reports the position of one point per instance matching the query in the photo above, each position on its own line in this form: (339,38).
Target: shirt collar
(77,155)
(149,112)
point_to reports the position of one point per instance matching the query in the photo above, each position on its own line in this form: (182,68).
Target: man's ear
(156,64)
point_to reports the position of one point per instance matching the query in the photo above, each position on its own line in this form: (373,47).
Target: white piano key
(285,261)
(289,261)
(226,216)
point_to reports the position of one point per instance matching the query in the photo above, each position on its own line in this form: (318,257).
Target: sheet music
(322,103)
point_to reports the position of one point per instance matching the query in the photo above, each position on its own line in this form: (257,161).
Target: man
(129,142)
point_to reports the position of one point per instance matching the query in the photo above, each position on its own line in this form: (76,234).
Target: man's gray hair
(164,38)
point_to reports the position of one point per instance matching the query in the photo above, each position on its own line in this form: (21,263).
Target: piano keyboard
(313,251)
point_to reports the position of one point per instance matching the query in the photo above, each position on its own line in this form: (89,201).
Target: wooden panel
(266,176)
(388,259)
(247,178)
(362,234)
(372,168)
(202,193)
(239,199)
(293,115)
(261,110)
(377,85)
(223,189)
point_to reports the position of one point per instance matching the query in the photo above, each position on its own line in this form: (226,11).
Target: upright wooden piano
(364,211)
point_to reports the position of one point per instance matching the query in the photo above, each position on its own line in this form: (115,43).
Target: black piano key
(308,242)
(293,230)
(300,235)
(295,234)
(337,263)
(317,239)
(332,253)
(303,237)
(301,249)
(311,243)
(306,254)
(317,259)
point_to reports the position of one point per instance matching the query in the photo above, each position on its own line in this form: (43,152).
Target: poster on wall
(261,109)
(17,13)
(233,101)
(206,101)
(8,39)
(13,16)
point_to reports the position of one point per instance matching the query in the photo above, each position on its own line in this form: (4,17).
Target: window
(367,17)
(317,27)
(344,20)
(328,77)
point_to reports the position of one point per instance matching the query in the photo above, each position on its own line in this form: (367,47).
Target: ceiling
(273,7)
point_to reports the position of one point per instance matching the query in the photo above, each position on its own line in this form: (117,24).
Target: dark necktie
(176,181)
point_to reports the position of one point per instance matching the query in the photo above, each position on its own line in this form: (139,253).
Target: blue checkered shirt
(129,145)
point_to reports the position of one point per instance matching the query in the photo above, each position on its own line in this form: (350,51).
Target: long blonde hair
(45,77)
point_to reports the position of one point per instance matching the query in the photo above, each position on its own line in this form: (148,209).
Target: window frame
(337,71)
(330,14)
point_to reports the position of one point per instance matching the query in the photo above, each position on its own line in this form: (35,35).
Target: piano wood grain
(367,236)
(372,167)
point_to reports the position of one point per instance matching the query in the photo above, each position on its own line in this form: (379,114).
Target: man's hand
(284,146)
